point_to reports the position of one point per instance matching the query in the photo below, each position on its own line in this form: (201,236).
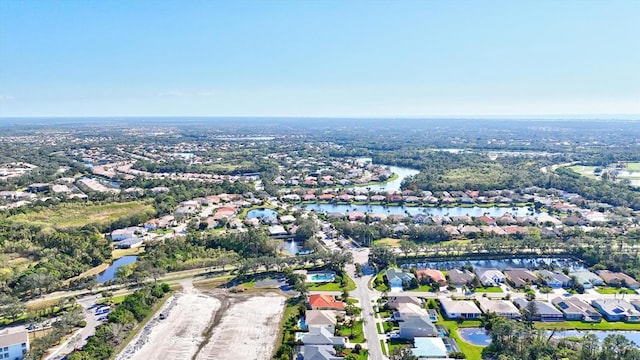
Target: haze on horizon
(319,59)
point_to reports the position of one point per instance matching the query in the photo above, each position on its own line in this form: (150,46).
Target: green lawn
(633,166)
(388,242)
(423,288)
(473,352)
(332,286)
(584,170)
(362,356)
(79,214)
(612,290)
(395,343)
(358,333)
(384,348)
(579,325)
(490,289)
(379,327)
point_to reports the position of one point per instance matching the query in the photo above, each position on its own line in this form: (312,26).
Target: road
(79,339)
(365,295)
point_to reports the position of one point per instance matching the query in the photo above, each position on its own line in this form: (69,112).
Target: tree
(381,256)
(11,307)
(402,353)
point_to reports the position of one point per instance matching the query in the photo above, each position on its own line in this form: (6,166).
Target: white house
(14,343)
(490,277)
(455,309)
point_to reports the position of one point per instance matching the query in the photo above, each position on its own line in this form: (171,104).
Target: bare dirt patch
(247,329)
(216,324)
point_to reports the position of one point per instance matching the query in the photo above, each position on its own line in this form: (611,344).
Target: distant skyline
(543,59)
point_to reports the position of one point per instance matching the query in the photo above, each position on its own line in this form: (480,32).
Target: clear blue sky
(318,58)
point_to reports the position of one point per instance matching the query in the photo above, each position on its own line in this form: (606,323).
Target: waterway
(416,210)
(479,336)
(110,272)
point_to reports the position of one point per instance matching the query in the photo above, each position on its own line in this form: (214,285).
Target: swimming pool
(325,276)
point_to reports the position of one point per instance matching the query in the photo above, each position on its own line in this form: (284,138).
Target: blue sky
(318,58)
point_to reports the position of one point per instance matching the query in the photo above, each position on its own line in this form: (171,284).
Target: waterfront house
(575,309)
(454,309)
(499,307)
(617,310)
(544,311)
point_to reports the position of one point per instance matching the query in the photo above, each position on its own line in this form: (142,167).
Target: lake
(411,210)
(394,185)
(110,272)
(479,336)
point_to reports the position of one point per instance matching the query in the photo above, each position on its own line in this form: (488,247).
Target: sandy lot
(247,330)
(179,335)
(216,325)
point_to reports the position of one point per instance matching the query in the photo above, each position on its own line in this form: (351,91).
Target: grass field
(579,325)
(78,214)
(584,170)
(118,253)
(490,289)
(611,290)
(387,241)
(473,352)
(358,334)
(633,166)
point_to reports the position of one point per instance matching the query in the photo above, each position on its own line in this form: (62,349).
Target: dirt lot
(247,330)
(211,325)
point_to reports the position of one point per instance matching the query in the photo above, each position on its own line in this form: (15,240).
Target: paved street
(364,295)
(79,338)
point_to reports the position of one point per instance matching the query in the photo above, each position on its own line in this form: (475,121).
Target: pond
(262,214)
(501,264)
(430,211)
(110,272)
(475,336)
(479,336)
(290,247)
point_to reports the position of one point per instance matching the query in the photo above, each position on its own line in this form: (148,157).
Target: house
(324,302)
(396,277)
(587,278)
(321,318)
(429,348)
(129,243)
(127,233)
(575,309)
(544,310)
(554,279)
(520,277)
(490,277)
(499,307)
(277,230)
(617,310)
(38,187)
(459,278)
(394,301)
(618,279)
(417,326)
(14,343)
(320,352)
(322,336)
(436,275)
(454,309)
(406,311)
(225,212)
